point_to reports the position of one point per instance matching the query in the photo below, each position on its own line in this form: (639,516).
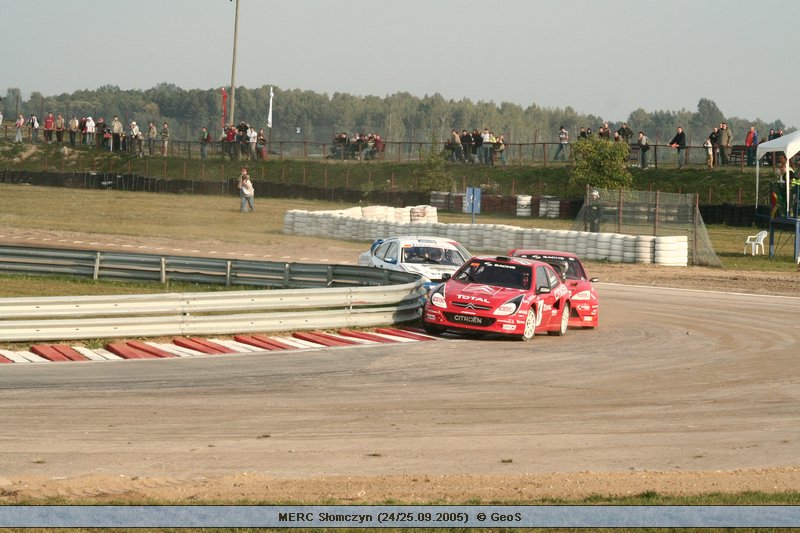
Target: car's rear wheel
(433,329)
(530,326)
(562,327)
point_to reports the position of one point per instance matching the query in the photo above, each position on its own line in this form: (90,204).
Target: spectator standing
(72,129)
(625,132)
(679,143)
(500,149)
(261,144)
(230,140)
(714,138)
(246,191)
(466,146)
(205,138)
(152,135)
(583,134)
(49,124)
(457,151)
(594,213)
(252,140)
(604,132)
(60,126)
(164,139)
(136,140)
(751,141)
(477,142)
(709,148)
(644,147)
(91,129)
(563,141)
(19,124)
(101,132)
(116,133)
(725,140)
(33,123)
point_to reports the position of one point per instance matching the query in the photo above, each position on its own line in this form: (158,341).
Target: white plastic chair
(755,241)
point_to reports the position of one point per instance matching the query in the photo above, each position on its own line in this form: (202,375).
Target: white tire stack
(645,248)
(523,205)
(672,251)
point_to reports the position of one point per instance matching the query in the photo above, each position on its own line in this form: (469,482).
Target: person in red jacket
(49,124)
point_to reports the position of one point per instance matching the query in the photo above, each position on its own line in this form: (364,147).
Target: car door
(545,281)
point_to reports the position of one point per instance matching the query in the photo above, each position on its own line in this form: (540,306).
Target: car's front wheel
(530,326)
(562,327)
(433,329)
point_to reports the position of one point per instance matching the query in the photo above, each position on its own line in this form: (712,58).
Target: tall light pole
(233,66)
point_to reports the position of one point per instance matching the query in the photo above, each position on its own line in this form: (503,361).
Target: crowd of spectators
(241,142)
(359,146)
(479,148)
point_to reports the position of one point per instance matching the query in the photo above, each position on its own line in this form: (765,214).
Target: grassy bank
(734,185)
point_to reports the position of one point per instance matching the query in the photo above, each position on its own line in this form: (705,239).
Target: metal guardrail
(353,296)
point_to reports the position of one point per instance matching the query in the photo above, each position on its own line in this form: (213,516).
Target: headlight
(437,297)
(509,308)
(583,295)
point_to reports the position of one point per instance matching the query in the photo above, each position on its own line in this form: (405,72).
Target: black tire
(562,329)
(433,329)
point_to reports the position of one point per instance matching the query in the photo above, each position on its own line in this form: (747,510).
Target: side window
(393,252)
(541,278)
(388,251)
(552,278)
(380,251)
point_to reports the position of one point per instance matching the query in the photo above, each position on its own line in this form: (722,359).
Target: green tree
(432,171)
(600,163)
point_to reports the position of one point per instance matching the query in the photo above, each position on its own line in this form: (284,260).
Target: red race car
(505,295)
(583,297)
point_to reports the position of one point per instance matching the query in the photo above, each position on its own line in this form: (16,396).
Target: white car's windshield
(432,255)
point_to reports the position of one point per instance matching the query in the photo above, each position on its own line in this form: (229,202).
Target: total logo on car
(584,302)
(502,295)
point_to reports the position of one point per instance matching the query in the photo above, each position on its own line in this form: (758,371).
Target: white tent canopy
(789,144)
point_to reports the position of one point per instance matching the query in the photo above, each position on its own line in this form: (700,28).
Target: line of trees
(311,116)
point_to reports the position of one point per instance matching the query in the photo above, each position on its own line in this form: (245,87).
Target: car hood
(429,271)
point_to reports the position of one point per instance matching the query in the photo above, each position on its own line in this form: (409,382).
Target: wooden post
(165,166)
(184,169)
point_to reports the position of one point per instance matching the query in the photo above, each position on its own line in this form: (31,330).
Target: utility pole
(233,66)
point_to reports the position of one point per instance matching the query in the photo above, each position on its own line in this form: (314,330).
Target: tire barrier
(355,224)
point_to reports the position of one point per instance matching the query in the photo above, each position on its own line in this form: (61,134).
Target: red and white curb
(192,346)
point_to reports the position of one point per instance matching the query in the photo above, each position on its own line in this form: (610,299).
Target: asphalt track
(672,380)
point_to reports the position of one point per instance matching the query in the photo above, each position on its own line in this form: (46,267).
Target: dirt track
(677,392)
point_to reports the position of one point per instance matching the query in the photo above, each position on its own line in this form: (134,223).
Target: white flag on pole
(269,115)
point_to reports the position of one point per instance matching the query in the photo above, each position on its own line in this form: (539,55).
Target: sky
(605,58)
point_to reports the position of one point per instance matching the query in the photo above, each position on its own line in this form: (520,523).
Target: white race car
(430,257)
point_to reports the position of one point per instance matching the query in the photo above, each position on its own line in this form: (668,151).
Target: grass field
(216,218)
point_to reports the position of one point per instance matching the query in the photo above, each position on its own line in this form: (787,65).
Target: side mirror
(391,260)
(445,276)
(543,290)
(594,280)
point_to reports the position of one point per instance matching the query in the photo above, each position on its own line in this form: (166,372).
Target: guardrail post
(329,280)
(163,270)
(286,274)
(96,266)
(228,273)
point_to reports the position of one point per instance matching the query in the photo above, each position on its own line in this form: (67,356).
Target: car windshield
(574,269)
(497,274)
(432,255)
